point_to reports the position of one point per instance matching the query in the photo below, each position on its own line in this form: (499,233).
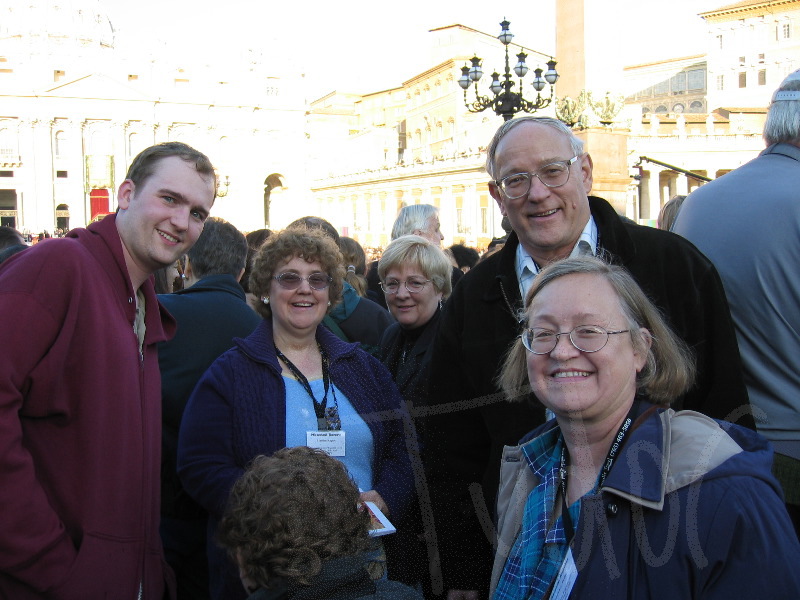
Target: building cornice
(411,173)
(749,7)
(667,61)
(442,67)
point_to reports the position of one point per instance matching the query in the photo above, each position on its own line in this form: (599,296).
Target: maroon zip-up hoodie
(80,424)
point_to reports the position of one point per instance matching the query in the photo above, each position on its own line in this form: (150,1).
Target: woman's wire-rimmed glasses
(412,285)
(586,338)
(553,175)
(291,281)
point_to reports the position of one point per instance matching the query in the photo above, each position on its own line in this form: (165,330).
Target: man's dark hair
(9,237)
(316,223)
(10,251)
(497,242)
(255,239)
(220,250)
(145,162)
(465,257)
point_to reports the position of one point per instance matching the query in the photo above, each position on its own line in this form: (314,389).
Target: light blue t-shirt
(300,418)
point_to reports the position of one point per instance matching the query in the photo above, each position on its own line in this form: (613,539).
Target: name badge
(565,579)
(332,442)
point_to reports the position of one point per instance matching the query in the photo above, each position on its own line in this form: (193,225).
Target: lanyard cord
(616,445)
(327,418)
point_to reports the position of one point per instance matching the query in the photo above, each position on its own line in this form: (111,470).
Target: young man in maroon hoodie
(80,395)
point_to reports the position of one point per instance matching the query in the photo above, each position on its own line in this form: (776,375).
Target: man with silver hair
(748,223)
(413,219)
(418,219)
(540,179)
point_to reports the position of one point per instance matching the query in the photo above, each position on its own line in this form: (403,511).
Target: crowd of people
(590,409)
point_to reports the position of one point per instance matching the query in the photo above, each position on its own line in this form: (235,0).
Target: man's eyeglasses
(414,286)
(291,281)
(586,338)
(553,175)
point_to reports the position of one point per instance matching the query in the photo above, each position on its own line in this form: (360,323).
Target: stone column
(654,193)
(40,178)
(682,185)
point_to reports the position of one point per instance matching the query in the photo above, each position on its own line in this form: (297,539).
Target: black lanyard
(616,444)
(327,417)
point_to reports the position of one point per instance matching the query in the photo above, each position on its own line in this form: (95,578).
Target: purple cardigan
(238,411)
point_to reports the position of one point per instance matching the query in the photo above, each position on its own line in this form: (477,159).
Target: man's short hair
(289,513)
(220,250)
(255,239)
(316,223)
(9,237)
(412,218)
(491,153)
(464,255)
(145,162)
(783,117)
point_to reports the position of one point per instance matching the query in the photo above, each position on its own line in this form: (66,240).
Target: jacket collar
(103,242)
(789,150)
(668,451)
(613,240)
(506,274)
(348,303)
(260,345)
(425,340)
(215,283)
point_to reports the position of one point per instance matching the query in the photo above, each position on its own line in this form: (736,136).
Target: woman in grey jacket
(619,496)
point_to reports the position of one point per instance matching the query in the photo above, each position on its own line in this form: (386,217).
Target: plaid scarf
(538,552)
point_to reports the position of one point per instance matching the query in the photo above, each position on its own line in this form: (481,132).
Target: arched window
(273,182)
(99,140)
(62,219)
(8,143)
(60,143)
(133,144)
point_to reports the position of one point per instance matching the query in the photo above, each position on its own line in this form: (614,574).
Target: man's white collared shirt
(527,269)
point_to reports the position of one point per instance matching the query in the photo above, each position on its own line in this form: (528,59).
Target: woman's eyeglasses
(414,286)
(291,281)
(586,338)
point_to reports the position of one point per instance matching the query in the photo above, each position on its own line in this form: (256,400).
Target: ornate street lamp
(222,186)
(506,102)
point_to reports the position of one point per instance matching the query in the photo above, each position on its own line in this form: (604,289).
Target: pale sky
(369,45)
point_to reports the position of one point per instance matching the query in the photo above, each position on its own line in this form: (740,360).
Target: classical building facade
(681,123)
(76,107)
(75,110)
(413,144)
(705,114)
